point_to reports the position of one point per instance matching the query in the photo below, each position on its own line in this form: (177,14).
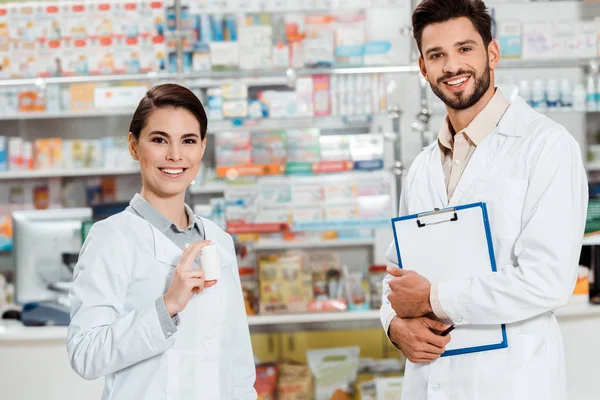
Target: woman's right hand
(187,281)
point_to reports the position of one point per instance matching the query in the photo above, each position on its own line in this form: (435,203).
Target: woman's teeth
(172,171)
(458,82)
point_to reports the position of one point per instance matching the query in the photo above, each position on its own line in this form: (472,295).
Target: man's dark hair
(168,95)
(435,11)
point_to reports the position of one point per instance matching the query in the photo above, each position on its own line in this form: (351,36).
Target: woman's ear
(133,144)
(204,145)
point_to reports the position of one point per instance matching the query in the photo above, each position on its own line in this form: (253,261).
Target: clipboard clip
(437,211)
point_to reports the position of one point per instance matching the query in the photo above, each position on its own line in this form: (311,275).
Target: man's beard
(458,101)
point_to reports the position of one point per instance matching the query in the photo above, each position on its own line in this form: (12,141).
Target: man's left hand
(409,293)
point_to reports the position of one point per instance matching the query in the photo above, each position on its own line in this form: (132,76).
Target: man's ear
(494,54)
(133,144)
(423,68)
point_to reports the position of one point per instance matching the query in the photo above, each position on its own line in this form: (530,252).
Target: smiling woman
(142,313)
(167,136)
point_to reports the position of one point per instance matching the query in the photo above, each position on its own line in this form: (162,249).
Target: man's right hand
(416,340)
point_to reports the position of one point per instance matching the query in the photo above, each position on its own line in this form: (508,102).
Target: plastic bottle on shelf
(566,95)
(3,294)
(334,95)
(538,96)
(359,95)
(590,96)
(596,80)
(579,97)
(525,91)
(350,94)
(553,94)
(368,103)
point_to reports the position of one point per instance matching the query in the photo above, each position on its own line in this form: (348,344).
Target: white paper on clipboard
(449,244)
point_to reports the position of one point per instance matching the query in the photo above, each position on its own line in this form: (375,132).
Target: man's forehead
(450,32)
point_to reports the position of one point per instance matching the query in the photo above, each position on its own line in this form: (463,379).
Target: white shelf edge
(289,123)
(593,166)
(575,309)
(67,114)
(592,240)
(308,318)
(62,173)
(212,77)
(265,245)
(544,63)
(208,188)
(214,126)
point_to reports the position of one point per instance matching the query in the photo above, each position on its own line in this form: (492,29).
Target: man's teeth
(172,171)
(458,81)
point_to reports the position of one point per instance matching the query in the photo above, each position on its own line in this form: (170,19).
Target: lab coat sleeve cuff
(387,315)
(436,306)
(167,323)
(448,299)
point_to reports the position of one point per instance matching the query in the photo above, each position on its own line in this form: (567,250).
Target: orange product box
(82,96)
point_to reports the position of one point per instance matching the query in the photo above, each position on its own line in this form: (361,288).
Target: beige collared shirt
(457,150)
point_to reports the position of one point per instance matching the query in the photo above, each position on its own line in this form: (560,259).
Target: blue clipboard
(447,230)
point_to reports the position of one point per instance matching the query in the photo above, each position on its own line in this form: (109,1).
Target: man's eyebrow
(468,41)
(433,50)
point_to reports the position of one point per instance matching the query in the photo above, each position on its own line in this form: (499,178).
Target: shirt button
(457,162)
(169,333)
(187,245)
(436,388)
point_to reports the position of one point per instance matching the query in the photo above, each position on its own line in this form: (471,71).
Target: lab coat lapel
(482,157)
(436,175)
(165,250)
(211,233)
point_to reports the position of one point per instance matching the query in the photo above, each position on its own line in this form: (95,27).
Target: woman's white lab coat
(530,173)
(124,266)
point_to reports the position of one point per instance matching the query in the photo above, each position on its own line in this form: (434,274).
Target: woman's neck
(171,207)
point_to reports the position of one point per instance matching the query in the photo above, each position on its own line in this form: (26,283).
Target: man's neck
(460,119)
(171,207)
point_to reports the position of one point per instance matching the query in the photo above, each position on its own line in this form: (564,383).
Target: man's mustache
(452,75)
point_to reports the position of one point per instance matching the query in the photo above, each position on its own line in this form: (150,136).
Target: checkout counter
(34,362)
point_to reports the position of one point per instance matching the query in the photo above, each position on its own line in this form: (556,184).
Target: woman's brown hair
(168,95)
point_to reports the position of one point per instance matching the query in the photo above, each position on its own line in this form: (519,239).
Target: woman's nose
(174,153)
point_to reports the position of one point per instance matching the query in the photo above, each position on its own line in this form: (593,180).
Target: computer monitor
(40,238)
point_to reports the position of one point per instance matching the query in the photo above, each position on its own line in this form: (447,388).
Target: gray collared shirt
(181,237)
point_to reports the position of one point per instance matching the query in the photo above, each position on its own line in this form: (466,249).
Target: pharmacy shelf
(593,166)
(315,321)
(592,240)
(67,114)
(212,78)
(546,63)
(210,188)
(214,126)
(63,173)
(271,245)
(323,123)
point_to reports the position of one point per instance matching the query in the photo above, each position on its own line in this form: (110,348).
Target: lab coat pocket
(192,374)
(532,370)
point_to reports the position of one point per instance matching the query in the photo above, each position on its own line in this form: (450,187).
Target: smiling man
(529,172)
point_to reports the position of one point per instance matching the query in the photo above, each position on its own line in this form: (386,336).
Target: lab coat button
(207,346)
(436,388)
(458,318)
